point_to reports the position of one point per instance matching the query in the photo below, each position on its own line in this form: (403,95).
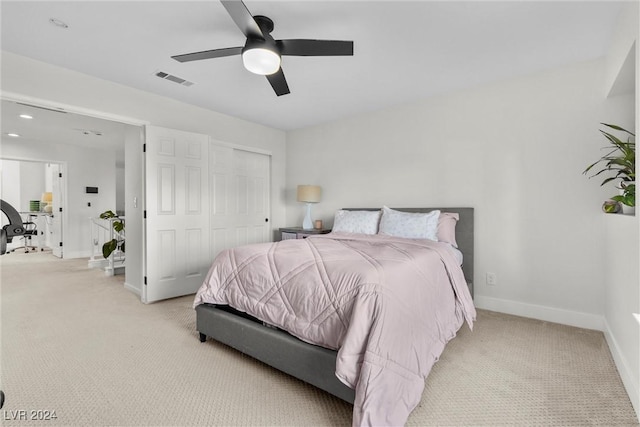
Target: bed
(304,348)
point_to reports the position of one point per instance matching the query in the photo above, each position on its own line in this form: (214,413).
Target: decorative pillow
(363,222)
(411,225)
(447,228)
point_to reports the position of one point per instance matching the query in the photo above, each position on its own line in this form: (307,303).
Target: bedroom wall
(622,247)
(82,170)
(515,151)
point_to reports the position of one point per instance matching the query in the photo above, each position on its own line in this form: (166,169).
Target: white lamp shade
(261,61)
(309,193)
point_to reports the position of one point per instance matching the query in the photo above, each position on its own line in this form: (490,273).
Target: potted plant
(118,241)
(619,163)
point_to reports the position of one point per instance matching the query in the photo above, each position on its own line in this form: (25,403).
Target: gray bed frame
(277,348)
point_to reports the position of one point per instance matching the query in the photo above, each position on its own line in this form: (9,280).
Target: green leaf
(109,247)
(619,160)
(118,226)
(618,128)
(107,215)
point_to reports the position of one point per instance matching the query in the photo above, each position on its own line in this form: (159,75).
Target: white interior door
(222,200)
(55,225)
(177,213)
(251,179)
(240,208)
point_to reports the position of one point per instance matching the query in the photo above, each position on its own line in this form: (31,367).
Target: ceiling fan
(262,54)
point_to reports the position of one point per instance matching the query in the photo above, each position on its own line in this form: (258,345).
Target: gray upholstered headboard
(464,234)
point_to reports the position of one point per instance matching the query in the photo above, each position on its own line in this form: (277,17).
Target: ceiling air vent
(175,79)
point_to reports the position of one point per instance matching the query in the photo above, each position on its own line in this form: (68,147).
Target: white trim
(239,147)
(548,314)
(132,288)
(628,380)
(76,254)
(16,97)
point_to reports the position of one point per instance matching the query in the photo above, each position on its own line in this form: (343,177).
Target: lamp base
(307,223)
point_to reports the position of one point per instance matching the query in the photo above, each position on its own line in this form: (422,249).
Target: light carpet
(74,341)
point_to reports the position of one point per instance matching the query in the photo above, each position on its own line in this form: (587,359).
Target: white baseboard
(132,288)
(75,254)
(540,312)
(98,263)
(630,382)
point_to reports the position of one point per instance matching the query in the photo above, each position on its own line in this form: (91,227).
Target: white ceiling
(50,126)
(403,50)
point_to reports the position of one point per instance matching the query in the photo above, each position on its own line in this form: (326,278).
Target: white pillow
(362,222)
(411,225)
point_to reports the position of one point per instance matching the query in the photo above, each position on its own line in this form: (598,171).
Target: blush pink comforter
(388,305)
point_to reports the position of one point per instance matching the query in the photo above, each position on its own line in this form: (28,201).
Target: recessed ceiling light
(15,135)
(25,116)
(58,23)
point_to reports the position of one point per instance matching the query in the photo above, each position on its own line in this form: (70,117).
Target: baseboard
(75,254)
(630,383)
(132,288)
(540,312)
(98,263)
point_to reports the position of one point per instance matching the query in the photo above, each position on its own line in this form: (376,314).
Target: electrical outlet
(492,279)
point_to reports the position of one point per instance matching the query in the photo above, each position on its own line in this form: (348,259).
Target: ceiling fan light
(261,61)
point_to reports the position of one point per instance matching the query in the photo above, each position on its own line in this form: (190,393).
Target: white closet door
(240,209)
(251,178)
(177,213)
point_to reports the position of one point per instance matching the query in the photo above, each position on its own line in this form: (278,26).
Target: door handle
(266,220)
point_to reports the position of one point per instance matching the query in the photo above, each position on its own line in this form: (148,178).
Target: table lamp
(308,194)
(45,203)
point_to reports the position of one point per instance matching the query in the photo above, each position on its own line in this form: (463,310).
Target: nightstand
(299,233)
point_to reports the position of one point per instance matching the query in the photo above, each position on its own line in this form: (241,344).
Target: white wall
(622,247)
(10,190)
(84,168)
(515,151)
(134,196)
(32,184)
(622,298)
(120,182)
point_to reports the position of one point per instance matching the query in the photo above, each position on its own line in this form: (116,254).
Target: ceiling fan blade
(208,54)
(278,82)
(243,18)
(302,47)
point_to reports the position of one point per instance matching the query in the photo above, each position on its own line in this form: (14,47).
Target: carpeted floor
(76,342)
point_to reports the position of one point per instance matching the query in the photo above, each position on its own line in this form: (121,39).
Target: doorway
(89,154)
(36,190)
